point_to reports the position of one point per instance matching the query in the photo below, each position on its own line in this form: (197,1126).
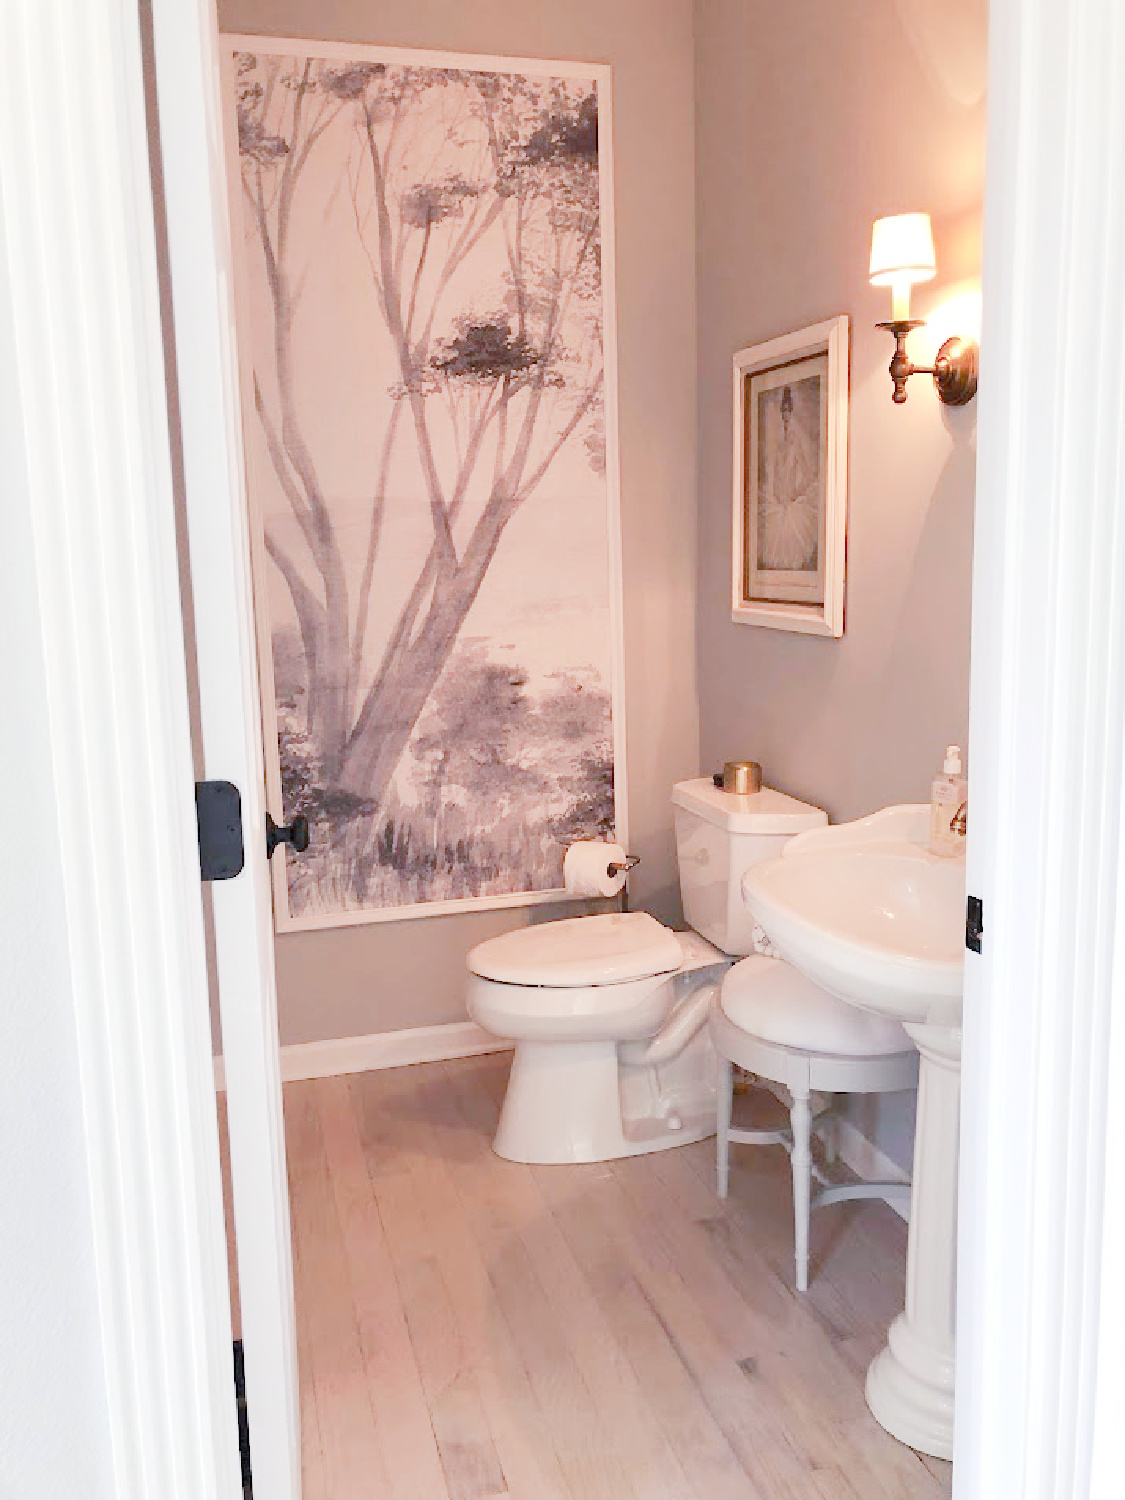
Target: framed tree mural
(424,247)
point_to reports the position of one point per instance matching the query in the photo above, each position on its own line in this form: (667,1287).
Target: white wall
(350,981)
(54,1435)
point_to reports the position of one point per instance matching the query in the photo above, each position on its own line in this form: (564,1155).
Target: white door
(199,255)
(1038,1354)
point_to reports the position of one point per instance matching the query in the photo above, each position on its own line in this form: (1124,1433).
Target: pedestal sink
(868,912)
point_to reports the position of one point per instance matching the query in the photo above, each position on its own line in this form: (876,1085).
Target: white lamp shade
(902,250)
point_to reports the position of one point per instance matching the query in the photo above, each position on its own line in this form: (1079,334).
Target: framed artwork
(791,481)
(424,251)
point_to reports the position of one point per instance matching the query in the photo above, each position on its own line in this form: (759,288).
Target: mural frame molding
(232,44)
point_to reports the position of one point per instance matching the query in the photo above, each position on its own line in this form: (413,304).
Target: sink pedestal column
(910,1382)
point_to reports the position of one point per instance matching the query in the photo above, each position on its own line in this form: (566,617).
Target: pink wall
(812,120)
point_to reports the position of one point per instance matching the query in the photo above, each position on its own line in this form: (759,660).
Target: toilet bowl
(609,1013)
(583,999)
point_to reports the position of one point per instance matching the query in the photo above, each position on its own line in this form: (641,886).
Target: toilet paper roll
(586,868)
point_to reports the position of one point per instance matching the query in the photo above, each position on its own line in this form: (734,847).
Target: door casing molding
(77,218)
(192,162)
(1046,767)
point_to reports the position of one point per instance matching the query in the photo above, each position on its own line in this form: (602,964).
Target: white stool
(779,1026)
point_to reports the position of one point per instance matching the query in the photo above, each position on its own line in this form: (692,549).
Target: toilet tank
(719,836)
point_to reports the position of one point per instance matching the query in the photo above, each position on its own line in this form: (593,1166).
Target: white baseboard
(382,1049)
(867,1161)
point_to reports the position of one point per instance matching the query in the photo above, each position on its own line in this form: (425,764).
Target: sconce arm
(954,370)
(900,366)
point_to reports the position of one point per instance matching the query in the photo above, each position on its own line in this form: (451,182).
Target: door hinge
(218,812)
(243,1420)
(974,923)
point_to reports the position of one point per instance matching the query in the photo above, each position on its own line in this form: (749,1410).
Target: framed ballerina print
(791,481)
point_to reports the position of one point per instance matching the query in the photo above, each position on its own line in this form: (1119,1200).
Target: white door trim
(185,45)
(1046,769)
(77,220)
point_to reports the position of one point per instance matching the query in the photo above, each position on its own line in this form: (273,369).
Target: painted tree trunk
(390,715)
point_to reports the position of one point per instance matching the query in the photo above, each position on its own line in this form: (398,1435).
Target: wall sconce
(902,252)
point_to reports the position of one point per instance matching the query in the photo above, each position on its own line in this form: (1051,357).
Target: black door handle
(295,834)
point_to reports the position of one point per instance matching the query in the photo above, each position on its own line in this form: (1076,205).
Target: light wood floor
(469,1328)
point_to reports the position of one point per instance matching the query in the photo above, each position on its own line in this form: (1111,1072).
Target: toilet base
(564,1105)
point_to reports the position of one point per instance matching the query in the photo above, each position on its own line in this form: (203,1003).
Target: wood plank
(743,1298)
(879,1465)
(858,1249)
(464,1442)
(511,1207)
(353,1464)
(824,1411)
(942,1472)
(421,1215)
(727,1344)
(313,1481)
(571,1423)
(671,1386)
(404,1429)
(859,1257)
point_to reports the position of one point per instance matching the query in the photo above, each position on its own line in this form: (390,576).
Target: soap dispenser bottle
(948,805)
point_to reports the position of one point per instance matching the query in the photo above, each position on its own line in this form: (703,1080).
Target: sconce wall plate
(954,370)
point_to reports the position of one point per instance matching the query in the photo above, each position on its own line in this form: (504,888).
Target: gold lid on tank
(766,812)
(744,777)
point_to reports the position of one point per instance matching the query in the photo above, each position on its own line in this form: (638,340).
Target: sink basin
(866,911)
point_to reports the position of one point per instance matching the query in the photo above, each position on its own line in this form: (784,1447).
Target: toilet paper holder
(618,867)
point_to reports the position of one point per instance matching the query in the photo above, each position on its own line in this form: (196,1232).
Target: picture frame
(790,492)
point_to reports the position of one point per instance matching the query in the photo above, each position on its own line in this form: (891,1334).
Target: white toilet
(609,1013)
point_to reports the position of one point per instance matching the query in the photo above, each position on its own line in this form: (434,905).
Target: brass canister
(742,776)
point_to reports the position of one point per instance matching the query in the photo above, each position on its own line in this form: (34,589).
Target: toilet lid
(610,949)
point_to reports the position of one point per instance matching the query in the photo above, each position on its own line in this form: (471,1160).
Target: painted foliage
(423,304)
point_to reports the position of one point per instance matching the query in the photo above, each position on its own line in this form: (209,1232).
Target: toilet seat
(573,952)
(598,978)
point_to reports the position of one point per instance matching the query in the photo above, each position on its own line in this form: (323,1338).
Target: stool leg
(832,1139)
(801,1159)
(722,1128)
